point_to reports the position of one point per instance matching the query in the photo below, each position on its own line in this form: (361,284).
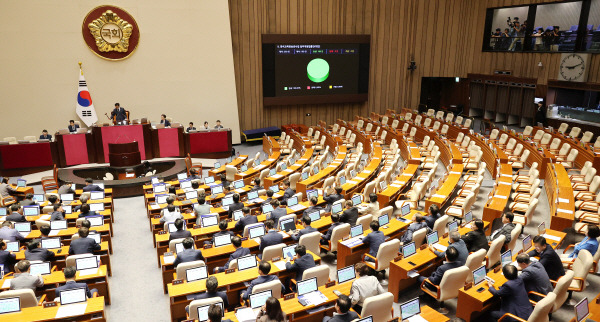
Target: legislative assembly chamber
(300,160)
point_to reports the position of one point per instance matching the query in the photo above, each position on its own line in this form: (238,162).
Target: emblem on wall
(110,32)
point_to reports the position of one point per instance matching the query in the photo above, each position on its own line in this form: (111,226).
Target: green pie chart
(317,70)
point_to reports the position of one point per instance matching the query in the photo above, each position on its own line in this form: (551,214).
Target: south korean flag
(85,109)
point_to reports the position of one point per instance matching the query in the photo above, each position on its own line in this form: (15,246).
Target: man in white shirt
(363,287)
(201,209)
(170,214)
(372,208)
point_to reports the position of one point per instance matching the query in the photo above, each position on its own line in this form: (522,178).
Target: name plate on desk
(156,216)
(229,271)
(177,282)
(289,296)
(399,258)
(329,284)
(207,246)
(468,285)
(497,269)
(276,259)
(162,232)
(49,304)
(197,226)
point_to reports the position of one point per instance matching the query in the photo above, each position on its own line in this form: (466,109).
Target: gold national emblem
(110,32)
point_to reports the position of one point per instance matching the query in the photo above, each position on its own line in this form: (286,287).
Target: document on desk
(563,200)
(260,167)
(245,314)
(351,182)
(565,211)
(71,310)
(315,298)
(284,234)
(90,271)
(396,185)
(277,176)
(416,318)
(438,196)
(169,259)
(280,265)
(54,232)
(154,207)
(551,237)
(257,240)
(45,217)
(440,247)
(412,273)
(6,283)
(500,197)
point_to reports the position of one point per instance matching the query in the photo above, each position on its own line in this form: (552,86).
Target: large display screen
(301,69)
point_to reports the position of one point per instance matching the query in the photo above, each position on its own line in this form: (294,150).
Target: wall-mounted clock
(574,67)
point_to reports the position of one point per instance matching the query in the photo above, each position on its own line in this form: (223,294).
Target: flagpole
(80,68)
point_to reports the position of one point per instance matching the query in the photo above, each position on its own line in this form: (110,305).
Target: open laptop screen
(97,206)
(40,268)
(161,199)
(479,275)
(196,273)
(346,274)
(12,246)
(410,308)
(246,262)
(259,299)
(409,249)
(210,220)
(203,311)
(383,220)
(71,296)
(252,195)
(267,208)
(51,243)
(257,231)
(582,310)
(356,231)
(314,216)
(432,238)
(95,220)
(10,305)
(336,208)
(506,257)
(86,263)
(58,225)
(216,190)
(356,200)
(238,184)
(306,286)
(289,251)
(527,243)
(468,217)
(405,209)
(31,210)
(452,226)
(185,184)
(222,240)
(237,215)
(39,197)
(97,195)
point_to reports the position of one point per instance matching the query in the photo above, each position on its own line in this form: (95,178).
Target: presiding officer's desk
(56,278)
(233,283)
(94,311)
(472,304)
(423,262)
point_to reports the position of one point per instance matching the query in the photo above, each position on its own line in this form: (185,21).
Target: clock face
(572,67)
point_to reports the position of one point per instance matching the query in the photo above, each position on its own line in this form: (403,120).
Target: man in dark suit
(215,314)
(533,275)
(190,127)
(45,136)
(302,262)
(350,215)
(223,229)
(455,241)
(180,232)
(119,112)
(70,284)
(67,187)
(83,244)
(288,192)
(7,259)
(548,258)
(28,201)
(189,254)
(269,197)
(335,221)
(312,206)
(16,215)
(58,213)
(306,230)
(72,126)
(374,239)
(513,295)
(279,210)
(240,251)
(272,237)
(248,219)
(332,196)
(506,229)
(342,311)
(434,214)
(236,205)
(163,120)
(85,211)
(264,268)
(438,274)
(9,233)
(218,125)
(212,284)
(476,239)
(35,252)
(256,185)
(90,186)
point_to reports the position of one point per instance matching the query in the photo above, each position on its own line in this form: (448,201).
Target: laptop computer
(287,224)
(382,185)
(203,311)
(159,188)
(432,238)
(68,209)
(87,264)
(582,310)
(182,176)
(314,216)
(179,247)
(95,220)
(33,210)
(409,249)
(221,240)
(452,226)
(185,184)
(410,309)
(342,180)
(196,274)
(336,208)
(209,220)
(405,210)
(527,243)
(226,202)
(289,251)
(215,190)
(238,184)
(96,195)
(506,258)
(24,228)
(468,217)
(217,165)
(346,274)
(367,319)
(12,246)
(256,231)
(542,228)
(161,199)
(272,172)
(209,180)
(51,243)
(21,183)
(75,295)
(304,176)
(42,268)
(383,220)
(267,208)
(189,195)
(10,305)
(253,197)
(2,211)
(479,275)
(96,237)
(293,204)
(246,262)
(257,300)
(283,166)
(312,193)
(244,168)
(154,181)
(356,231)
(39,197)
(97,206)
(356,200)
(58,225)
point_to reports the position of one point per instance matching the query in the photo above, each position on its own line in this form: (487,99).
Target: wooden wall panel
(444,37)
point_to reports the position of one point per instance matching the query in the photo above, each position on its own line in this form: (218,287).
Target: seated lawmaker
(433,215)
(312,206)
(85,211)
(189,254)
(306,230)
(28,201)
(269,199)
(23,280)
(419,223)
(335,221)
(256,185)
(240,251)
(364,286)
(287,190)
(71,283)
(506,229)
(451,262)
(476,239)
(72,126)
(6,189)
(90,186)
(215,314)
(342,311)
(9,233)
(513,295)
(67,187)
(264,268)
(350,215)
(16,214)
(45,136)
(212,286)
(372,207)
(170,214)
(83,244)
(279,210)
(548,258)
(271,312)
(205,126)
(248,219)
(180,232)
(272,237)
(201,209)
(190,127)
(236,205)
(458,244)
(35,252)
(534,275)
(589,243)
(332,195)
(223,224)
(7,258)
(373,240)
(59,212)
(163,120)
(302,262)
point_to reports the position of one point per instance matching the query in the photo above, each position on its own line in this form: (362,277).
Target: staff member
(45,135)
(163,120)
(218,126)
(120,114)
(190,127)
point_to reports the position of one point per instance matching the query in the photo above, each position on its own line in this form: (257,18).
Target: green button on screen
(317,70)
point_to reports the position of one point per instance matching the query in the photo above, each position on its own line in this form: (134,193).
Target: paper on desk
(260,166)
(367,171)
(315,298)
(505,183)
(270,159)
(45,217)
(506,175)
(154,207)
(351,182)
(564,211)
(276,176)
(296,165)
(53,232)
(288,170)
(395,185)
(416,318)
(438,196)
(284,234)
(563,200)
(440,247)
(169,259)
(90,271)
(412,273)
(6,283)
(240,190)
(257,240)
(245,314)
(455,172)
(551,237)
(280,265)
(71,310)
(500,197)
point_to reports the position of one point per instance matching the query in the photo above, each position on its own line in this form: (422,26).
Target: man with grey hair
(23,279)
(455,241)
(534,275)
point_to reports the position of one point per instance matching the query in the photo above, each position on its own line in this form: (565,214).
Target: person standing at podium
(118,114)
(163,120)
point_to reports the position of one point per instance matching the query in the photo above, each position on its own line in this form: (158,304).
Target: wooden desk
(94,311)
(444,192)
(283,175)
(233,283)
(237,162)
(366,175)
(562,202)
(494,207)
(270,147)
(349,255)
(401,182)
(594,309)
(471,304)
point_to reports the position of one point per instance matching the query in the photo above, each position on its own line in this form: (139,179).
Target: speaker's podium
(124,154)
